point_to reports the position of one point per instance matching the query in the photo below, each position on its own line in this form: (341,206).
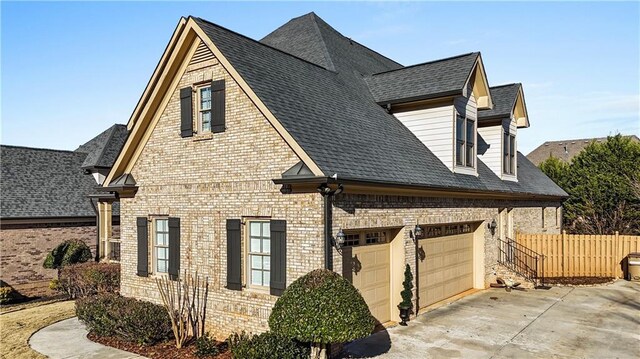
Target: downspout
(328,228)
(415,240)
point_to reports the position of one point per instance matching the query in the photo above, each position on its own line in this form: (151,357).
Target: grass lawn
(17,325)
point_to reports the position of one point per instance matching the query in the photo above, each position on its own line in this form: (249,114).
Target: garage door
(446,266)
(372,280)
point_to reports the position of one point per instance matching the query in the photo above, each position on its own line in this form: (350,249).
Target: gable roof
(336,120)
(504,99)
(565,150)
(432,79)
(44,183)
(103,149)
(317,98)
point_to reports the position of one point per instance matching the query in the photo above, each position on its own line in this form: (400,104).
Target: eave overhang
(308,184)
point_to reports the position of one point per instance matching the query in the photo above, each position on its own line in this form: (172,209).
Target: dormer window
(465,141)
(204,109)
(509,153)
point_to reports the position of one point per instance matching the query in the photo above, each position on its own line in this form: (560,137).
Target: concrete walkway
(582,322)
(68,339)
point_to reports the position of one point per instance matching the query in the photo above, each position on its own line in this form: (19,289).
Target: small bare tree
(186,302)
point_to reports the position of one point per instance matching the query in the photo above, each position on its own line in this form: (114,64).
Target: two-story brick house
(248,160)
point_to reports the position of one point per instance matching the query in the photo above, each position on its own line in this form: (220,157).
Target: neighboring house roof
(565,150)
(423,81)
(329,111)
(103,149)
(504,99)
(44,183)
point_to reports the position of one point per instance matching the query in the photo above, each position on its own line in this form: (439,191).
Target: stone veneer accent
(209,178)
(25,247)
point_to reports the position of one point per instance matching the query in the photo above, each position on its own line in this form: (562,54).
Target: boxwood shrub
(67,252)
(321,307)
(266,346)
(126,318)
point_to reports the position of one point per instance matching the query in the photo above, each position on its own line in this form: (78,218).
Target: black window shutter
(278,279)
(347,263)
(234,255)
(217,115)
(186,112)
(143,246)
(174,248)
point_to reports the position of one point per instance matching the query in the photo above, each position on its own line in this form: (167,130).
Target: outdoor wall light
(492,226)
(338,241)
(418,232)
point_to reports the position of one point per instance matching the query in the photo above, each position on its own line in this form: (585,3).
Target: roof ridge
(261,44)
(41,149)
(316,17)
(105,143)
(505,85)
(427,63)
(327,54)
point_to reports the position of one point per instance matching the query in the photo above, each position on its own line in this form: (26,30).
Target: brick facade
(209,178)
(25,247)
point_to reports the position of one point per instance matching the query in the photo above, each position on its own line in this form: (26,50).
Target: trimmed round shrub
(266,346)
(67,252)
(321,307)
(79,280)
(133,320)
(8,295)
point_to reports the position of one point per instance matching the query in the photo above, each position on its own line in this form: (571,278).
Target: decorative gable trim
(477,81)
(519,111)
(183,45)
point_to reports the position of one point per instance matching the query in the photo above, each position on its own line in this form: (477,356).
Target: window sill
(202,136)
(465,170)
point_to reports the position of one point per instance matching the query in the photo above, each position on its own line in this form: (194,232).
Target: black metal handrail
(522,260)
(114,250)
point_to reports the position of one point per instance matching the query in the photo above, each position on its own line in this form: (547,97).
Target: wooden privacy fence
(577,255)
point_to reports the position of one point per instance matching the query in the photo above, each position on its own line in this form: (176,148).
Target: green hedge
(66,253)
(266,346)
(321,307)
(126,318)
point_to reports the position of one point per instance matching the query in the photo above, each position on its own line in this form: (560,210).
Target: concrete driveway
(562,322)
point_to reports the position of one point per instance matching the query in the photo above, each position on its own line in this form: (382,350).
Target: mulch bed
(164,350)
(577,280)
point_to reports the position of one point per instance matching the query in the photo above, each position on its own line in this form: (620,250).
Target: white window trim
(246,256)
(153,246)
(199,111)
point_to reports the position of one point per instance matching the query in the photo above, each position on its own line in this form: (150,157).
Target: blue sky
(70,70)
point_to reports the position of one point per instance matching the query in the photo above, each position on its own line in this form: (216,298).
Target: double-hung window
(465,142)
(161,245)
(204,109)
(259,253)
(509,153)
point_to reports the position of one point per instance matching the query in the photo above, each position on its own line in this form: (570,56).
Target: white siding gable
(435,128)
(491,153)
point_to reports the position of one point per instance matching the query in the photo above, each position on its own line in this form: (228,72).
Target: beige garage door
(372,278)
(447,266)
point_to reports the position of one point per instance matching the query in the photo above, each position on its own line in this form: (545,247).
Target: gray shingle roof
(312,39)
(504,98)
(336,120)
(103,149)
(44,183)
(427,80)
